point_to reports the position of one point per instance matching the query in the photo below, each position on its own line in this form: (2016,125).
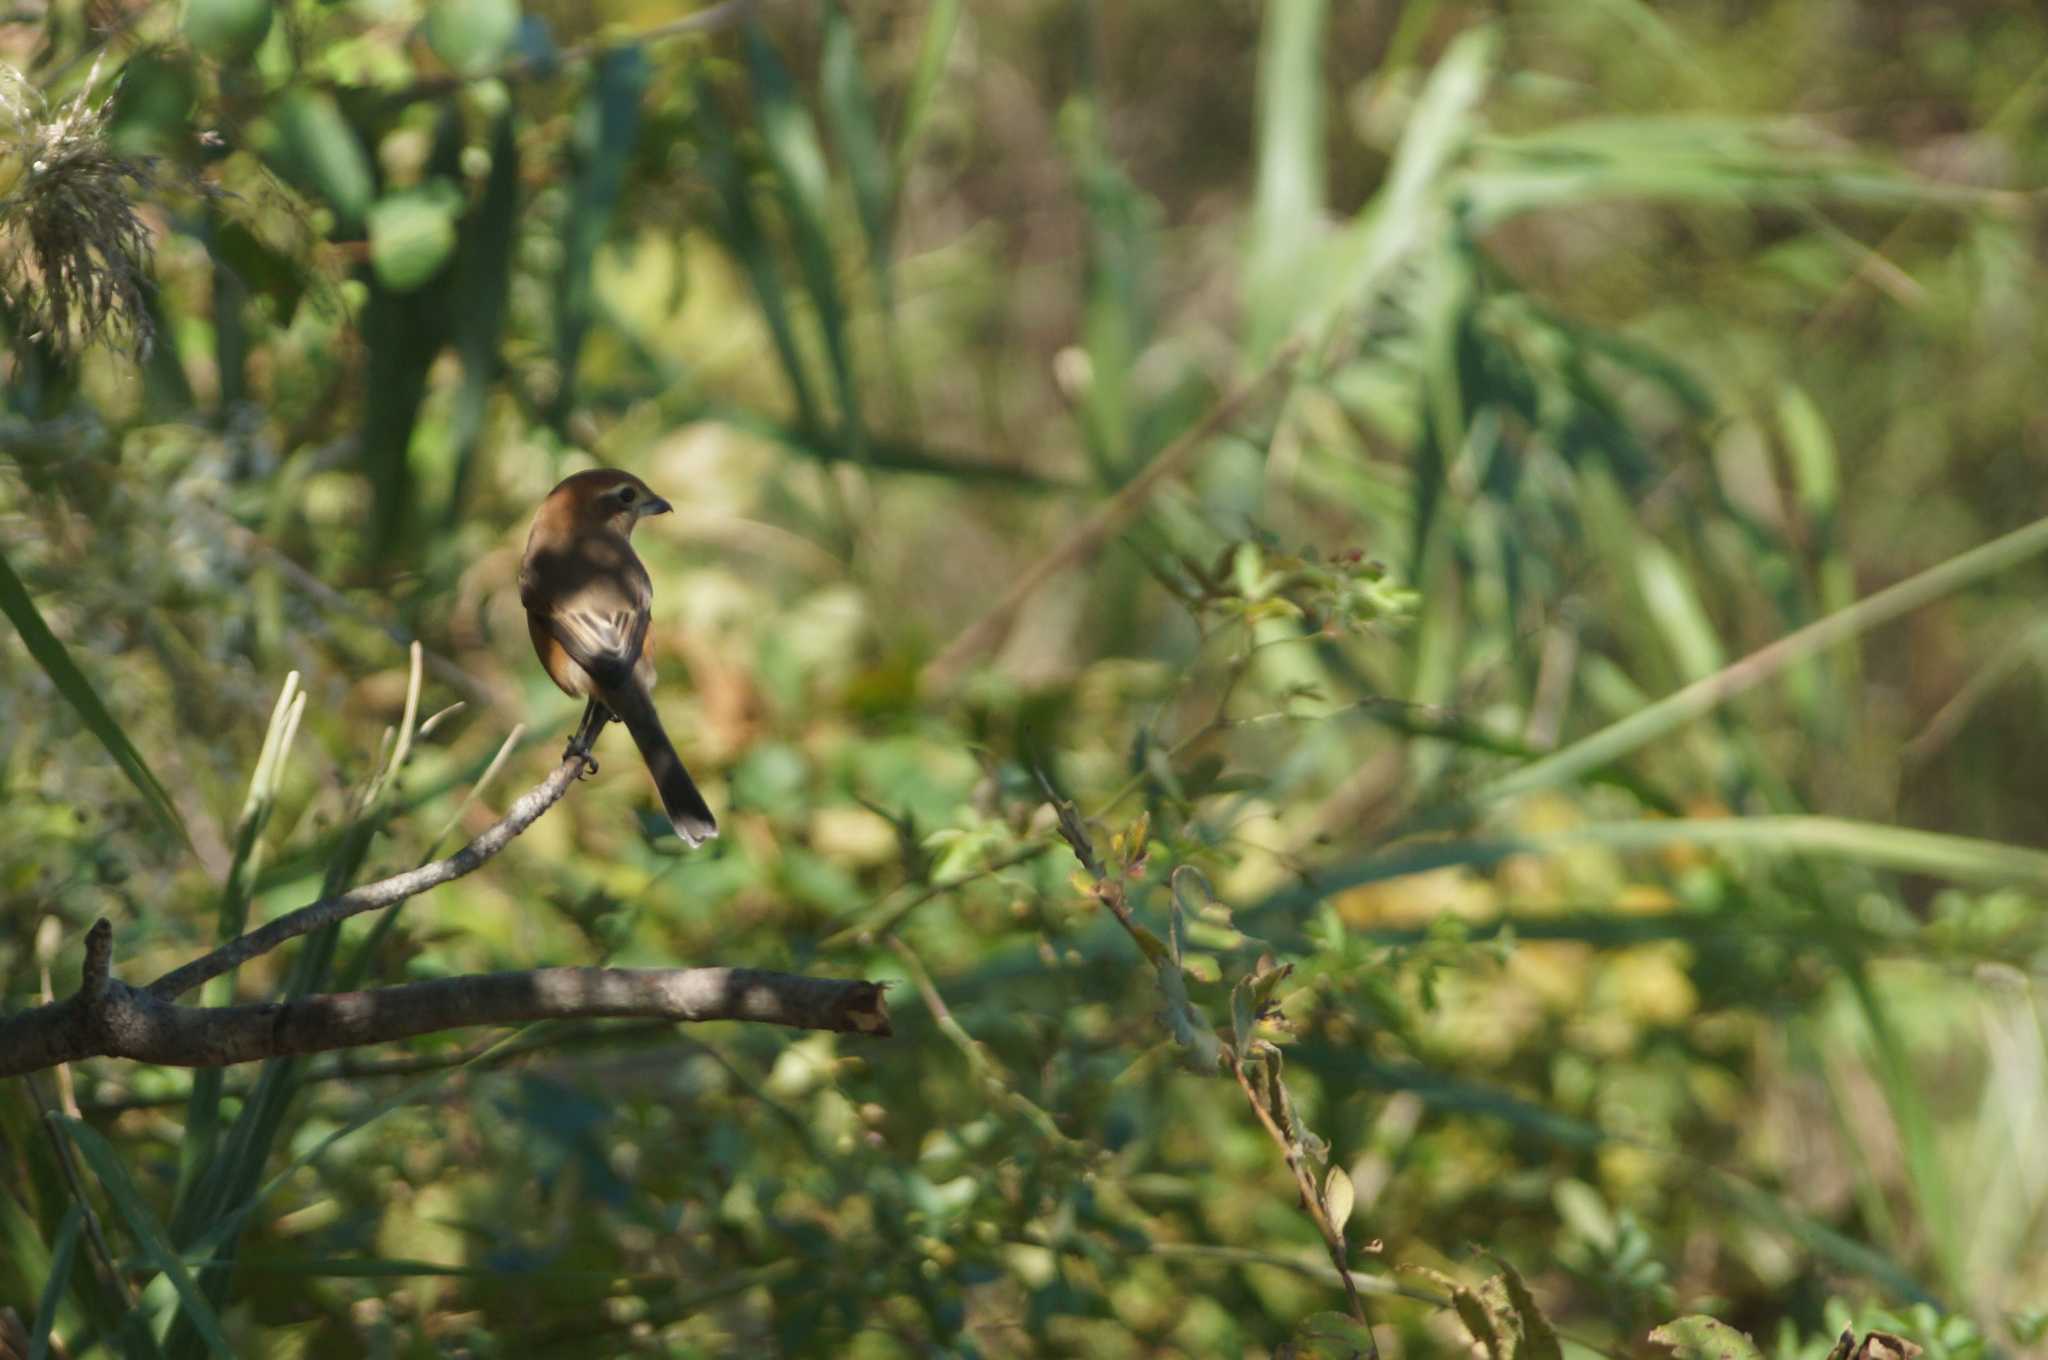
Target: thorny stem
(1110,892)
(1311,1198)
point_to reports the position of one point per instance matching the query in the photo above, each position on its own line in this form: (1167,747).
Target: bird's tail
(686,808)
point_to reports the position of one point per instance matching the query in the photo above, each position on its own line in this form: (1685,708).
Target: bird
(587,600)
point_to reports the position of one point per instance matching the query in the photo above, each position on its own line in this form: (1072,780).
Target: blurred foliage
(1238,924)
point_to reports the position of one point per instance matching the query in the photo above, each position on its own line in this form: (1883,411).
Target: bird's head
(606,498)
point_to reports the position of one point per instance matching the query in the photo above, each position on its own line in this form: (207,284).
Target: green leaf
(1875,844)
(850,106)
(1703,696)
(412,234)
(1243,1015)
(62,1254)
(1539,1338)
(1730,161)
(472,36)
(803,185)
(1674,605)
(55,659)
(942,19)
(202,1110)
(1485,1329)
(481,291)
(1288,195)
(606,128)
(1699,1337)
(1332,1336)
(742,233)
(317,148)
(1409,207)
(227,30)
(148,1232)
(1339,1197)
(1116,322)
(153,103)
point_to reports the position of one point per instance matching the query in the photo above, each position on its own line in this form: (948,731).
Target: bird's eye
(626,495)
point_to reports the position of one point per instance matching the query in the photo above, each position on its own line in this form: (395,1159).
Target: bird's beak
(655,505)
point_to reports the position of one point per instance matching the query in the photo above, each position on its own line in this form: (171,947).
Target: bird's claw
(585,737)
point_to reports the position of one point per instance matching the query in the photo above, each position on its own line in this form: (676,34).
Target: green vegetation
(1410,632)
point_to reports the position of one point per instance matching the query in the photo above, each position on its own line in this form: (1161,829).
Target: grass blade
(1406,209)
(482,288)
(1619,739)
(1872,844)
(942,19)
(1115,326)
(51,654)
(63,1253)
(1288,197)
(850,105)
(202,1119)
(1716,160)
(803,185)
(606,128)
(743,235)
(148,1232)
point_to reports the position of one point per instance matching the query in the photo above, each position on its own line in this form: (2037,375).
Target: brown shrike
(587,598)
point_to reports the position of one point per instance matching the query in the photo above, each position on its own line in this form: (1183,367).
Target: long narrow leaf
(62,1255)
(202,1121)
(1872,844)
(606,128)
(1703,696)
(480,295)
(1288,195)
(742,233)
(942,18)
(803,185)
(148,1231)
(1408,206)
(55,659)
(850,106)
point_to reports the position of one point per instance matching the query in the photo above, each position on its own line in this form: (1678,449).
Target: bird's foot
(579,747)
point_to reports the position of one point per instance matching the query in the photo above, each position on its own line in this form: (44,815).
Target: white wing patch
(601,640)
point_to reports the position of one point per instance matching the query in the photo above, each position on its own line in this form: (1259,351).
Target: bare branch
(106,1017)
(371,896)
(134,1022)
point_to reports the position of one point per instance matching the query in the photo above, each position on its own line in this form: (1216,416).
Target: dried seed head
(75,256)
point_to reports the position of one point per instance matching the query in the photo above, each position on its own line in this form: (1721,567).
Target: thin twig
(1089,536)
(995,1080)
(868,933)
(370,897)
(1311,1197)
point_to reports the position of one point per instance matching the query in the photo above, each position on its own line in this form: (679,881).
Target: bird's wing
(602,633)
